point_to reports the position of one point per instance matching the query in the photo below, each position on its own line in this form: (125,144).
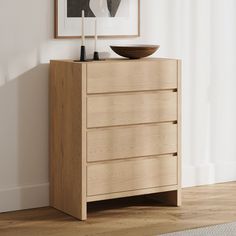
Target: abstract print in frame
(115,18)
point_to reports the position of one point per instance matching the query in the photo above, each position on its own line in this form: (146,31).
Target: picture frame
(118,19)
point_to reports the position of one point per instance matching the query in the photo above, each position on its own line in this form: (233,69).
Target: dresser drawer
(134,108)
(131,175)
(134,141)
(141,75)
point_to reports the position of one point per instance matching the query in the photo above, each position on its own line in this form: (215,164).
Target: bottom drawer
(134,174)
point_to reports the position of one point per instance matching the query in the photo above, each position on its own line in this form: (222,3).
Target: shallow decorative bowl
(135,51)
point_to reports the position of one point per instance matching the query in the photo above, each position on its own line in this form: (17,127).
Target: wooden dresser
(114,131)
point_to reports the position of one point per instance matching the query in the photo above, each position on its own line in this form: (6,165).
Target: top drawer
(119,76)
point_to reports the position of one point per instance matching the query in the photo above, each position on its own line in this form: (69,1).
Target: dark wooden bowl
(135,51)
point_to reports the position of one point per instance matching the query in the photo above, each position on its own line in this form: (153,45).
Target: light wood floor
(202,206)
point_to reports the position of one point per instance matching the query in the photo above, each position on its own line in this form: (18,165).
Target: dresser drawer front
(131,76)
(134,141)
(135,108)
(131,175)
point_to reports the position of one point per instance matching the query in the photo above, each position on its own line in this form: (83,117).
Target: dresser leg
(81,213)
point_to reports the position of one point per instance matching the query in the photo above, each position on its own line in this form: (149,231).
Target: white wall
(201,32)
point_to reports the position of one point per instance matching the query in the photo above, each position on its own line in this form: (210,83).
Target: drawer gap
(130,125)
(132,92)
(131,158)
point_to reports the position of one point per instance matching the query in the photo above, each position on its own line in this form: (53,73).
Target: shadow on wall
(24,145)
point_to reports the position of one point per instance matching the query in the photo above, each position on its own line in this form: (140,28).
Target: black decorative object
(82,54)
(96,56)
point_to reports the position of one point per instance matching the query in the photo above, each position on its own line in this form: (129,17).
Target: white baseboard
(25,197)
(210,173)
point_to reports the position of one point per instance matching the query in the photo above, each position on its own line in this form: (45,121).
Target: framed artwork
(115,18)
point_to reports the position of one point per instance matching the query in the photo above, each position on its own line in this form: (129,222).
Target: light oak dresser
(114,131)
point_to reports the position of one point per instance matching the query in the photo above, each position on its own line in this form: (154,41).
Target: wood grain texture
(67,164)
(132,108)
(113,177)
(136,216)
(131,76)
(133,141)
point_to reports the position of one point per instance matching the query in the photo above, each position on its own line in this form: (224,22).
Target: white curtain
(203,34)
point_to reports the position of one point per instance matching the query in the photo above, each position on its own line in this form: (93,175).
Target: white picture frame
(125,21)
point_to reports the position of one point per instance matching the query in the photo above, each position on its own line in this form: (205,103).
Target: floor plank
(139,216)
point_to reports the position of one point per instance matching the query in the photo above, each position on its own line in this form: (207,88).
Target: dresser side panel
(67,168)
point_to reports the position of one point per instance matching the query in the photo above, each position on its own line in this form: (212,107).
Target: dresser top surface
(115,60)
